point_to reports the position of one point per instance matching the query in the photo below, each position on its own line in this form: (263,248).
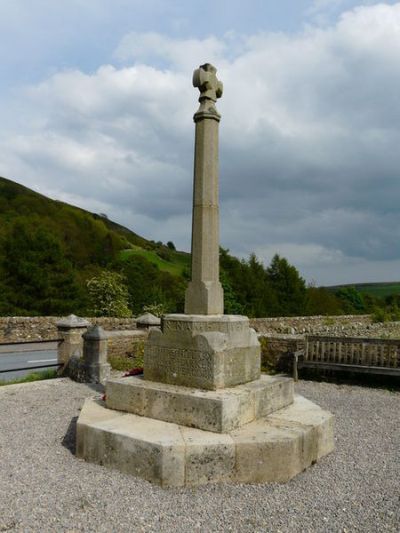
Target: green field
(378,290)
(179,261)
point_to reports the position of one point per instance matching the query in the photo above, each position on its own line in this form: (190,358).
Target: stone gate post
(70,330)
(97,369)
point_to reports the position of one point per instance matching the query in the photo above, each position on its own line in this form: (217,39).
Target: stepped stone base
(220,411)
(272,449)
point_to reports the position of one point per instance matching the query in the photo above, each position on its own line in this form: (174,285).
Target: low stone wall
(123,343)
(15,329)
(277,351)
(341,326)
(280,337)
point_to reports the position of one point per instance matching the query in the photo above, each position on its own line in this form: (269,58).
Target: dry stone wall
(125,343)
(340,326)
(15,329)
(280,337)
(277,351)
(20,329)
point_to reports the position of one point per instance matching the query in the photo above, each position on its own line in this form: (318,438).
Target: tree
(352,300)
(37,277)
(108,295)
(288,285)
(321,301)
(148,285)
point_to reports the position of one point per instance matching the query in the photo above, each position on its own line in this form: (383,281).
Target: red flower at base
(134,372)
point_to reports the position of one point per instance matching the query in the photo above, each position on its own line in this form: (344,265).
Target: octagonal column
(204,295)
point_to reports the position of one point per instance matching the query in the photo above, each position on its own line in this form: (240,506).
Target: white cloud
(309,140)
(180,54)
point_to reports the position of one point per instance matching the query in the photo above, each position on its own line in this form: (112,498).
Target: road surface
(26,355)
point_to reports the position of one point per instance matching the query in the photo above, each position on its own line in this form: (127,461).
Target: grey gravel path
(43,487)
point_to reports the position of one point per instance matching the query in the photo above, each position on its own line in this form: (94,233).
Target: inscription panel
(201,327)
(185,362)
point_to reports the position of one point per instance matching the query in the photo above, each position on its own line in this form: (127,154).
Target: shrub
(109,295)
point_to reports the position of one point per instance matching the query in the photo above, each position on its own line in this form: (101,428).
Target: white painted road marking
(42,361)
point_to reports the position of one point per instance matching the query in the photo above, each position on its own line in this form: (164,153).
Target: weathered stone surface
(135,445)
(285,443)
(72,322)
(15,329)
(313,417)
(147,321)
(209,457)
(204,295)
(273,449)
(217,411)
(210,352)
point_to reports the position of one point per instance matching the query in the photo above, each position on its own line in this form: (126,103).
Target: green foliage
(148,285)
(320,301)
(231,303)
(38,279)
(163,258)
(108,295)
(352,301)
(155,309)
(258,291)
(34,376)
(375,290)
(288,285)
(389,313)
(133,360)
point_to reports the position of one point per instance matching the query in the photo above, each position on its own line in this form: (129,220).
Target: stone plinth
(218,411)
(272,449)
(207,352)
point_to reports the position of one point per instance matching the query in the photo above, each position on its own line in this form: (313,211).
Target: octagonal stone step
(274,449)
(219,411)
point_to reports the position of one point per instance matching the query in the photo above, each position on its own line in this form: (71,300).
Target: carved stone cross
(204,295)
(205,79)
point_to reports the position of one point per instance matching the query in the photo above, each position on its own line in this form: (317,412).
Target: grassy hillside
(49,249)
(176,263)
(376,290)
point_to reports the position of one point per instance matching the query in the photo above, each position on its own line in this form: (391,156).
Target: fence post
(70,330)
(97,369)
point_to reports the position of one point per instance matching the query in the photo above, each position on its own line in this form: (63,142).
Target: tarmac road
(26,355)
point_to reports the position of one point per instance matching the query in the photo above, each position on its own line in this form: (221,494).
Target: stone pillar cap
(148,319)
(72,321)
(95,333)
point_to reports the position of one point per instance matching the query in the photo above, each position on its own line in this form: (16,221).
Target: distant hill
(48,250)
(377,290)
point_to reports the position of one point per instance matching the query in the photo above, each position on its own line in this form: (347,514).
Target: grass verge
(35,376)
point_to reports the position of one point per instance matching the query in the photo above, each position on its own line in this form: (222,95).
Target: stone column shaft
(204,295)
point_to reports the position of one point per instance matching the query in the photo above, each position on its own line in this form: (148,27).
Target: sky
(97,104)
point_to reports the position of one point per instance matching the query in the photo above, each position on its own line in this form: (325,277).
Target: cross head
(205,79)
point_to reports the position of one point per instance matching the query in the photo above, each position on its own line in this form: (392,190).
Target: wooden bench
(353,354)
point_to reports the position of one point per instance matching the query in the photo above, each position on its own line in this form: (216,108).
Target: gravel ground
(43,487)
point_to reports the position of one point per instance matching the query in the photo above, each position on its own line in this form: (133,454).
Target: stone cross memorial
(204,295)
(203,412)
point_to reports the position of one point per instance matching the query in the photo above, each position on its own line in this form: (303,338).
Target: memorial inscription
(186,362)
(201,327)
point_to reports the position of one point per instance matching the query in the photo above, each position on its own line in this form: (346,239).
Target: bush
(386,314)
(109,295)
